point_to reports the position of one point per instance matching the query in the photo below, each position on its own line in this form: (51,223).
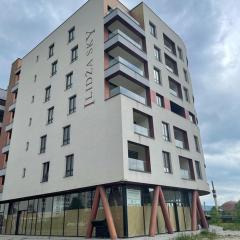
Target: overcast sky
(210,29)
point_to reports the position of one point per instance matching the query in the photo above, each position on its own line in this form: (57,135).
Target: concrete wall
(95,129)
(157,145)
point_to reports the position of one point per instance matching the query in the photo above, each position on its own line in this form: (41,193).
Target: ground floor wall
(67,214)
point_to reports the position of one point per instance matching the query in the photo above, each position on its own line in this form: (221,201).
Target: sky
(210,29)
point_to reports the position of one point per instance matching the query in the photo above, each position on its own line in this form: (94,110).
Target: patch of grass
(229,226)
(203,235)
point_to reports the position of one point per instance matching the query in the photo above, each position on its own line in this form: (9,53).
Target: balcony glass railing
(127,93)
(179,144)
(185,174)
(117,31)
(127,64)
(136,164)
(141,130)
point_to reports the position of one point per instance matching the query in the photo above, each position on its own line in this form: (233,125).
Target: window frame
(71,34)
(166,134)
(51,50)
(74,54)
(157,53)
(198,170)
(69,80)
(47,93)
(157,73)
(161,102)
(45,172)
(54,68)
(72,104)
(69,165)
(66,135)
(153,30)
(43,144)
(167,164)
(50,115)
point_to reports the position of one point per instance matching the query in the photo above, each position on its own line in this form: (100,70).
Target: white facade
(100,128)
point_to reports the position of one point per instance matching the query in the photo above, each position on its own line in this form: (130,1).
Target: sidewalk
(223,235)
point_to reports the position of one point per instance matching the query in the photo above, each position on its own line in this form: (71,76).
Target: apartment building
(105,138)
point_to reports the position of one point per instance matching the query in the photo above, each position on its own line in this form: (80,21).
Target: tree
(215,216)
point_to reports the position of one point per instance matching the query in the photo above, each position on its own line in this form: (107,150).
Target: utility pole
(214,196)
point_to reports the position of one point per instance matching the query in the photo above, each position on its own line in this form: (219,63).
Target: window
(186,168)
(171,64)
(32,101)
(166,132)
(50,115)
(74,54)
(71,34)
(175,88)
(35,78)
(69,80)
(37,58)
(175,108)
(185,75)
(69,165)
(30,122)
(43,141)
(192,118)
(1,115)
(157,75)
(47,93)
(50,53)
(167,162)
(169,44)
(109,9)
(198,169)
(153,29)
(45,172)
(66,135)
(54,68)
(181,138)
(197,146)
(157,53)
(27,146)
(2,102)
(186,94)
(72,104)
(160,100)
(24,173)
(180,54)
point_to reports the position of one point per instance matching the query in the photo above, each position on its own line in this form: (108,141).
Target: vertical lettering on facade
(89,80)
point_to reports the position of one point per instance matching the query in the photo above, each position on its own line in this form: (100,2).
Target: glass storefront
(68,214)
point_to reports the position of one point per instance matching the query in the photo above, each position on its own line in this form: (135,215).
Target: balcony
(186,168)
(125,19)
(6,149)
(9,127)
(120,65)
(138,157)
(2,172)
(121,90)
(15,87)
(12,107)
(143,124)
(119,38)
(181,138)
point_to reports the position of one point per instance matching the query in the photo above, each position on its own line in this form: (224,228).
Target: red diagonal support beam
(108,214)
(165,211)
(93,214)
(201,213)
(153,220)
(194,211)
